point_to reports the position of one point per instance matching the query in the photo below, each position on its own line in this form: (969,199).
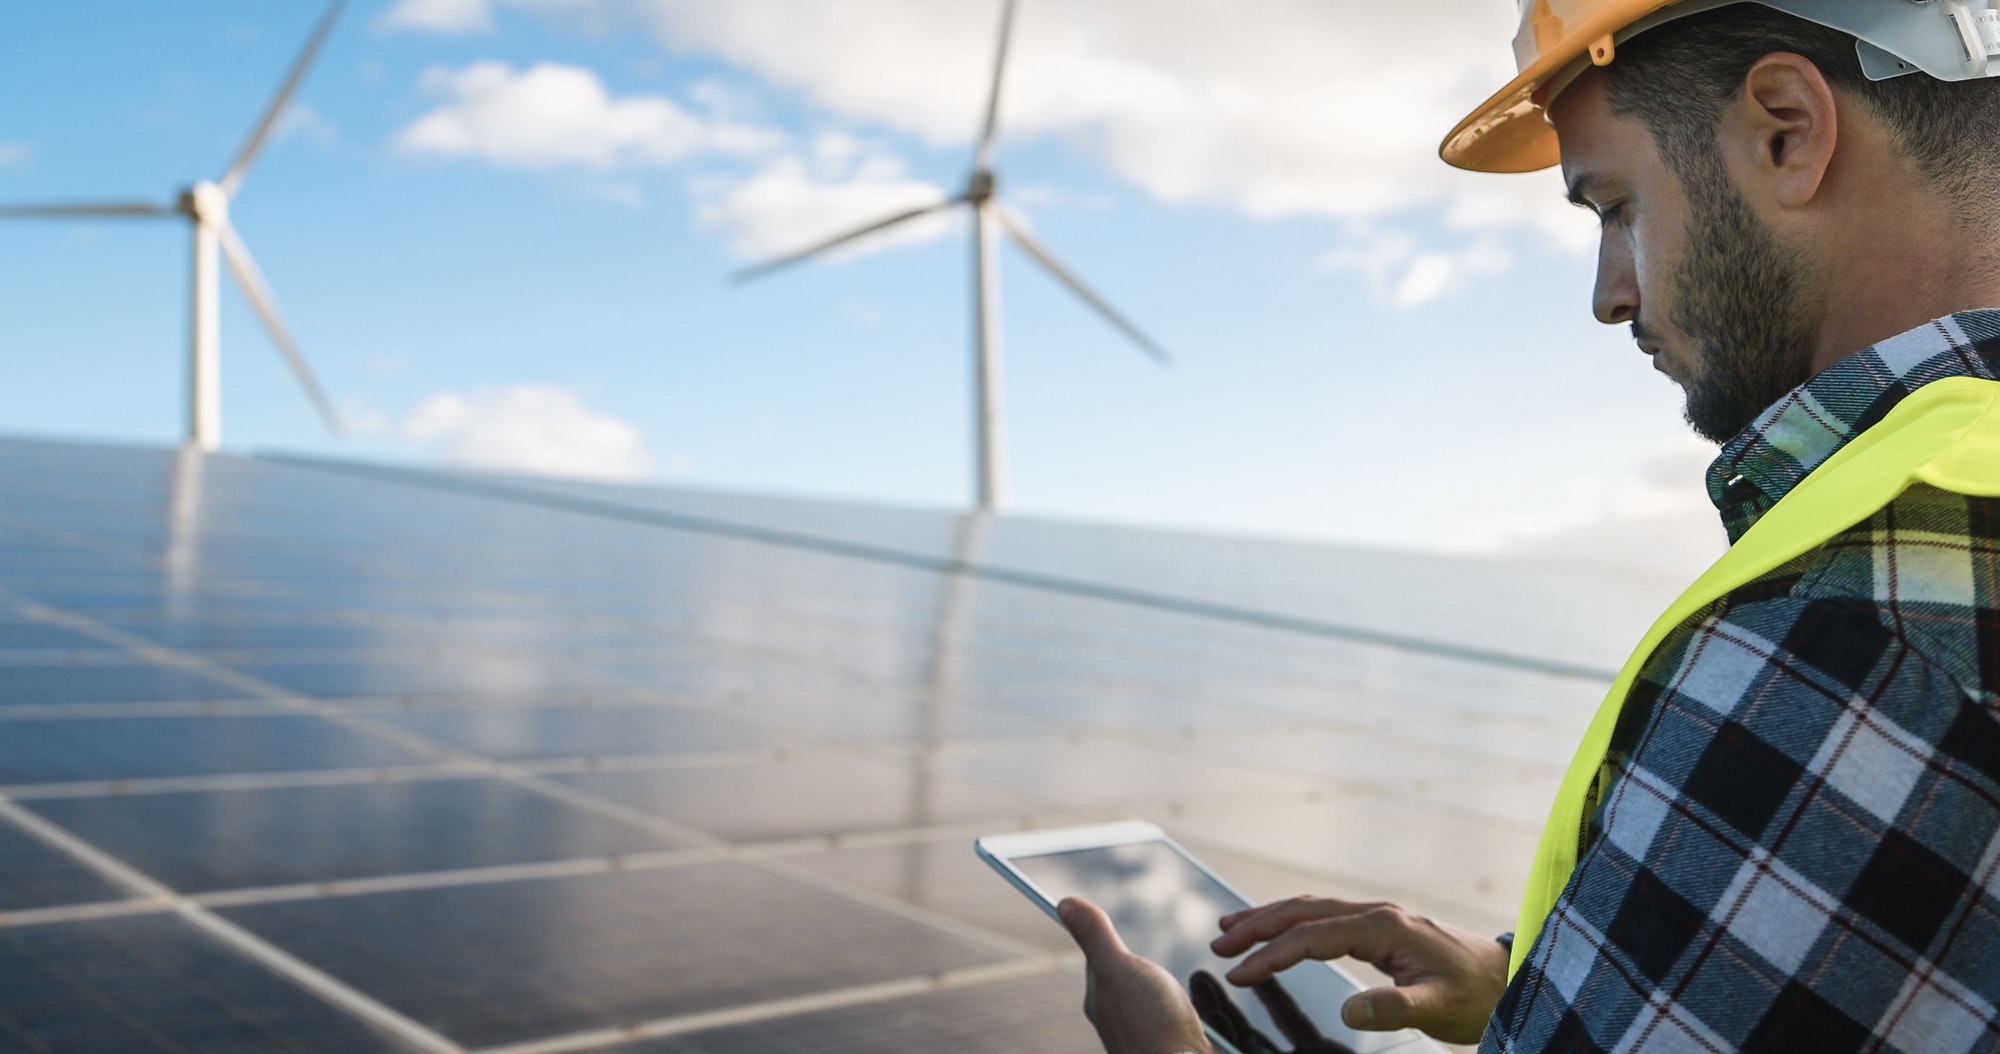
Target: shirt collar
(1800,431)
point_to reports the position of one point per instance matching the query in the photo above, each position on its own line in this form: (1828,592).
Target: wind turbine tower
(990,220)
(206,207)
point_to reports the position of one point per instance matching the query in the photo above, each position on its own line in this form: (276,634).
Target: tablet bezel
(998,850)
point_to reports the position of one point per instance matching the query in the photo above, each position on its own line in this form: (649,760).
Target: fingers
(1090,928)
(1388,1009)
(1135,1005)
(1371,936)
(1284,1010)
(1243,929)
(1213,1005)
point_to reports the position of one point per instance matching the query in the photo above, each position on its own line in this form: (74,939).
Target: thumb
(1090,927)
(1386,1009)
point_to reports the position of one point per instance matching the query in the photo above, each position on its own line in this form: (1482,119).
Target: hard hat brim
(1510,132)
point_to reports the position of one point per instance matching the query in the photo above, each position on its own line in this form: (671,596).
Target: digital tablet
(1165,904)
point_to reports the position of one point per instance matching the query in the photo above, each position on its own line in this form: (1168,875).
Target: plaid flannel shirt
(1800,846)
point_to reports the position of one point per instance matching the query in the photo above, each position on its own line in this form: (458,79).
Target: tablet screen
(1165,907)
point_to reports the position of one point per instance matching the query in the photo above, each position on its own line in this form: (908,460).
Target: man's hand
(1137,1007)
(1447,979)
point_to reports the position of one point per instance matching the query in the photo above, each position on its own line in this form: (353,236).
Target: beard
(1737,300)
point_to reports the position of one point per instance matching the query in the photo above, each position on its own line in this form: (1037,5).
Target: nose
(1616,298)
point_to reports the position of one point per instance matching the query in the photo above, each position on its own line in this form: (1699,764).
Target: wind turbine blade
(988,134)
(251,281)
(760,270)
(1062,274)
(89,208)
(234,177)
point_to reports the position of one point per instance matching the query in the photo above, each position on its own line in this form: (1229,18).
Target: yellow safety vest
(1946,434)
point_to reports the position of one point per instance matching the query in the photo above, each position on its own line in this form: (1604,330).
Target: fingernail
(1064,910)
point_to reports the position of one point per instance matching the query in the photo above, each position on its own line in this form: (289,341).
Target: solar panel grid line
(97,909)
(582,799)
(1035,580)
(708,641)
(430,653)
(452,770)
(642,862)
(605,807)
(574,796)
(242,941)
(749,649)
(76,711)
(166,656)
(123,788)
(91,707)
(780,753)
(242,589)
(68,538)
(902,909)
(467,876)
(609,695)
(859,995)
(540,870)
(62,657)
(904,836)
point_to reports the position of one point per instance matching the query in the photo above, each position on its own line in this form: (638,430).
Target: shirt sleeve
(1798,853)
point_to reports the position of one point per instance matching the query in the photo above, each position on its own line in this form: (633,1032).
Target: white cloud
(727,100)
(1045,196)
(837,184)
(553,115)
(1401,273)
(465,17)
(14,153)
(1282,107)
(301,121)
(1279,108)
(360,417)
(1657,517)
(451,17)
(530,428)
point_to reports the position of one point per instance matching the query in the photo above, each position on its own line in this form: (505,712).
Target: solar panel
(308,756)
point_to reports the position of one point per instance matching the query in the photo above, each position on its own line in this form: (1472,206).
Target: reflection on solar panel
(316,757)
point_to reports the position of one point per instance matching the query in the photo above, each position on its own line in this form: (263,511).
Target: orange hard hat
(1508,133)
(1946,39)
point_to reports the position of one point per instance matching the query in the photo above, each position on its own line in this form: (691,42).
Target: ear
(1783,129)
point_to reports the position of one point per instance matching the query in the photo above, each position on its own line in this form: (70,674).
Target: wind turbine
(206,206)
(990,220)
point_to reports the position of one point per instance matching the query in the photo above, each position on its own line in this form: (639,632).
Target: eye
(1610,214)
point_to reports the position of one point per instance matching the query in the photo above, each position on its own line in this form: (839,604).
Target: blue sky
(502,231)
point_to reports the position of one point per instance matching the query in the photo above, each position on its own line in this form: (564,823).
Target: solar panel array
(320,757)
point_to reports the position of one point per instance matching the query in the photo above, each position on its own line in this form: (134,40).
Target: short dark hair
(1678,77)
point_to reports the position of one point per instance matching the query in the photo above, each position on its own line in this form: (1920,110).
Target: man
(1783,830)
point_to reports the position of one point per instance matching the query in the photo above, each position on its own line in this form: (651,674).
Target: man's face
(1709,292)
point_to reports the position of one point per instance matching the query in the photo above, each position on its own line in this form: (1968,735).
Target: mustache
(1643,334)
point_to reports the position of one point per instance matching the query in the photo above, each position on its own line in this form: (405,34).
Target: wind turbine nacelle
(982,186)
(207,202)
